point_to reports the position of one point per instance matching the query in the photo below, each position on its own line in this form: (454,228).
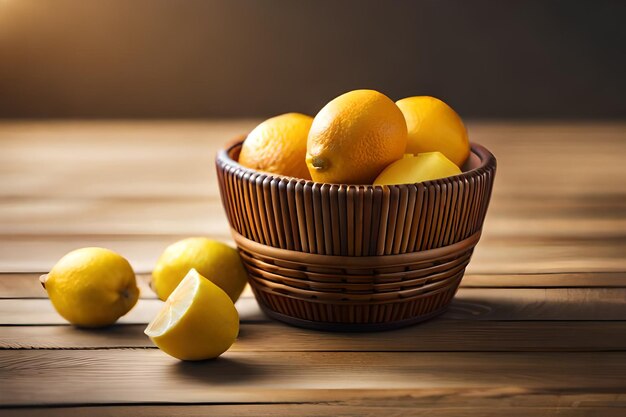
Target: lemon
(198,321)
(278,146)
(214,260)
(92,287)
(434,126)
(354,137)
(412,169)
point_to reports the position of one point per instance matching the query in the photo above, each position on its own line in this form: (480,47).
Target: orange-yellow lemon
(354,137)
(278,146)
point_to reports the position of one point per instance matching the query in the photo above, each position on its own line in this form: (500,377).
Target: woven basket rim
(487,161)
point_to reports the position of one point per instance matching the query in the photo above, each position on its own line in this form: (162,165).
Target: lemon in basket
(354,137)
(434,126)
(198,321)
(417,168)
(92,287)
(278,146)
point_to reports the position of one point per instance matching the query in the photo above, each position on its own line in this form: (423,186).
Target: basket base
(349,327)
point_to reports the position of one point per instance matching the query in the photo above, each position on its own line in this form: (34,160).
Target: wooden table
(538,327)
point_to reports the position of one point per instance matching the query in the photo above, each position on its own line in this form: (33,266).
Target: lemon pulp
(175,307)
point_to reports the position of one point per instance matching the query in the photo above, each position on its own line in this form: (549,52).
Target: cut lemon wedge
(198,321)
(419,168)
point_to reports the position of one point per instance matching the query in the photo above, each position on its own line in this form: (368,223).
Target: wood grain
(37,216)
(126,215)
(172,159)
(546,280)
(252,377)
(535,224)
(27,285)
(538,327)
(504,304)
(440,335)
(534,159)
(351,408)
(41,312)
(492,256)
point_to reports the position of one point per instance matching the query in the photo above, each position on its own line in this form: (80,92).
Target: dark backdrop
(200,58)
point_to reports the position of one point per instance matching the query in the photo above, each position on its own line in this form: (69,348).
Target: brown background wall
(198,58)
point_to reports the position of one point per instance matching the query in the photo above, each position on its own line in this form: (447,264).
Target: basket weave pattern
(342,257)
(376,316)
(353,220)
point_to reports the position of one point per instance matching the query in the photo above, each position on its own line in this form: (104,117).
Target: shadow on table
(218,371)
(114,336)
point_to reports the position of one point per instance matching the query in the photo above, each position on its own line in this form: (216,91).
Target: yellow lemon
(434,126)
(412,169)
(198,321)
(92,287)
(278,146)
(217,261)
(354,137)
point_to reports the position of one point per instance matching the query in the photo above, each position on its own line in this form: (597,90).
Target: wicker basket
(357,257)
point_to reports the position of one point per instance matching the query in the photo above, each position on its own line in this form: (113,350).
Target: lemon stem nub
(318,163)
(42,279)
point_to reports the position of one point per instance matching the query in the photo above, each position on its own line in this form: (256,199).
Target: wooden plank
(539,304)
(41,312)
(534,158)
(28,286)
(509,244)
(547,215)
(493,304)
(162,158)
(558,206)
(45,216)
(440,335)
(108,216)
(24,286)
(547,280)
(515,255)
(506,225)
(493,255)
(139,376)
(16,253)
(336,409)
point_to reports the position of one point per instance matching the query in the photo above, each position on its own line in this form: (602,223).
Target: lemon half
(198,321)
